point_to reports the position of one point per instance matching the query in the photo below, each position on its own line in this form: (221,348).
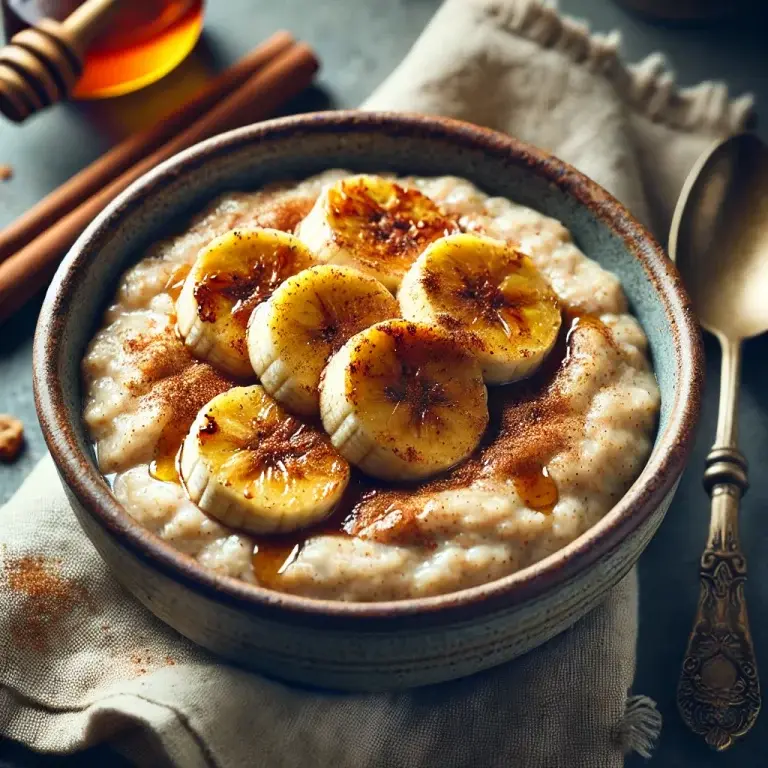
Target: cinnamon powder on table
(49,599)
(144,662)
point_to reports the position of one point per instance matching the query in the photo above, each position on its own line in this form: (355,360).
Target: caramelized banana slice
(403,401)
(228,280)
(309,317)
(250,465)
(373,224)
(486,288)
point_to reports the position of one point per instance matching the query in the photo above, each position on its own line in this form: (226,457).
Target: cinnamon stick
(99,173)
(27,271)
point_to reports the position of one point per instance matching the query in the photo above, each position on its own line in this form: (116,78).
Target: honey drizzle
(537,490)
(270,559)
(272,555)
(165,465)
(532,481)
(175,281)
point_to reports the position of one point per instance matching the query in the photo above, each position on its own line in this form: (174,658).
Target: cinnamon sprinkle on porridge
(562,446)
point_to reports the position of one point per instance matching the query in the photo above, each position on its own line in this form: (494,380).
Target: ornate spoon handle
(719,691)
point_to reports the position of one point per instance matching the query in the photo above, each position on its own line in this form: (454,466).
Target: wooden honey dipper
(41,64)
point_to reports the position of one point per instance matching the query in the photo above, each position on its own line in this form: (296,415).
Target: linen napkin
(81,662)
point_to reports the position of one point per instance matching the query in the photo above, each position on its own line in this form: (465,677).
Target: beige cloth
(81,662)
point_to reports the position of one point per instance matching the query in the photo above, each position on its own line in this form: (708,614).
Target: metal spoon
(719,239)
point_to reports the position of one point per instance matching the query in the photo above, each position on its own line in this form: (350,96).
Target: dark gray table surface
(359,43)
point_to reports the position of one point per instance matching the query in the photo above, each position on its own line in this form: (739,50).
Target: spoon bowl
(719,237)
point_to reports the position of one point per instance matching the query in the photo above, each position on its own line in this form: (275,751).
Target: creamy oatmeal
(563,445)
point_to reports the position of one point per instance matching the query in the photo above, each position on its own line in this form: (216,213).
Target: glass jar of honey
(143,40)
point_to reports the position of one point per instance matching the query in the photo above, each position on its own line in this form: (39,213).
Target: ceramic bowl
(364,646)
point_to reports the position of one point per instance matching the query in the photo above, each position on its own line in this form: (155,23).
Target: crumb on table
(11,437)
(6,172)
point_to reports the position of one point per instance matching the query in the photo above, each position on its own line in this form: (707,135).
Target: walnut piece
(11,437)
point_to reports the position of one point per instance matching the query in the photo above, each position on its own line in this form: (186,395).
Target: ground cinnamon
(27,271)
(49,599)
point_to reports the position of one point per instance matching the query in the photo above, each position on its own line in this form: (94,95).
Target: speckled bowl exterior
(365,646)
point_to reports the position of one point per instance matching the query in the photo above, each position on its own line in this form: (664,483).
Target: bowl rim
(658,477)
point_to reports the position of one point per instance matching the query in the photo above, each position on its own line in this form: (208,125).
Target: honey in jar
(144,40)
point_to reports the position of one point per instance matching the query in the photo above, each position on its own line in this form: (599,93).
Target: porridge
(479,397)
